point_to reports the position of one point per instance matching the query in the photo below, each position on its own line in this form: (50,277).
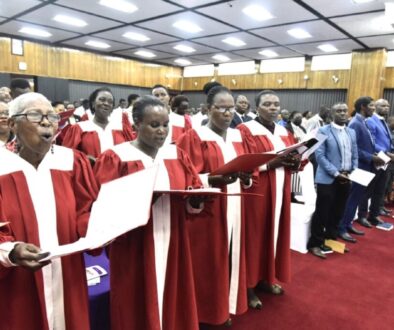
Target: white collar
(337,126)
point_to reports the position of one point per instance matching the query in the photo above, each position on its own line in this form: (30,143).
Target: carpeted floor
(351,291)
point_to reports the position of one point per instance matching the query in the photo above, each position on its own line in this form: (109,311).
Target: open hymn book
(122,205)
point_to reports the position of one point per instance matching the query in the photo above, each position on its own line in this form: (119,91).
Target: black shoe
(375,221)
(355,231)
(346,237)
(364,222)
(384,213)
(317,252)
(325,249)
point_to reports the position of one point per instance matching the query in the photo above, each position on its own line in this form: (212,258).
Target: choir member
(151,273)
(46,192)
(268,225)
(179,124)
(220,231)
(92,137)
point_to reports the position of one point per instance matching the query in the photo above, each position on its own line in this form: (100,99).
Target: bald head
(382,107)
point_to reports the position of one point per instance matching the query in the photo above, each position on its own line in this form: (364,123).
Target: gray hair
(19,104)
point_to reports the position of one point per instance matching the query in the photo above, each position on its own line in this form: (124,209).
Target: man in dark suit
(336,158)
(382,137)
(241,107)
(367,160)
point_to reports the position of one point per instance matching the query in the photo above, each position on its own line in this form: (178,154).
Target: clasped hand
(28,256)
(289,161)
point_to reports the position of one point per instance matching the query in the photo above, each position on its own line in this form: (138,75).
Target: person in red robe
(220,291)
(179,123)
(105,130)
(152,283)
(268,225)
(46,192)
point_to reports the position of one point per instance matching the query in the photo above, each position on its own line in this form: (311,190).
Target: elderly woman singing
(46,192)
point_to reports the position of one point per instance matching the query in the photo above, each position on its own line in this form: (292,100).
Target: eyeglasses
(37,117)
(223,110)
(4,113)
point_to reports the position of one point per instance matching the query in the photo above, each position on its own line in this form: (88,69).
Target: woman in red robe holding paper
(268,225)
(46,192)
(220,229)
(92,137)
(152,283)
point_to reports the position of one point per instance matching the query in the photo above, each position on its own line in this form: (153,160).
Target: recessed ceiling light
(35,32)
(184,48)
(70,20)
(221,58)
(299,33)
(234,42)
(145,53)
(327,48)
(182,61)
(120,5)
(97,44)
(187,26)
(135,36)
(362,1)
(257,12)
(269,53)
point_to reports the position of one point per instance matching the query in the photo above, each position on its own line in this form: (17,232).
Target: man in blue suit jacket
(367,160)
(382,137)
(241,108)
(336,158)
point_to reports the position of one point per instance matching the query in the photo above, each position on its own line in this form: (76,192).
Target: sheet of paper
(361,177)
(320,139)
(244,163)
(122,205)
(335,245)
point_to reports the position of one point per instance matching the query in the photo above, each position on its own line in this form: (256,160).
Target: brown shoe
(317,252)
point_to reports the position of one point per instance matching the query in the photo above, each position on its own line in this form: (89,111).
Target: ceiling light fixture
(187,26)
(70,20)
(35,32)
(269,53)
(120,5)
(97,44)
(257,12)
(221,58)
(136,36)
(234,42)
(299,33)
(182,61)
(328,48)
(184,48)
(362,1)
(145,53)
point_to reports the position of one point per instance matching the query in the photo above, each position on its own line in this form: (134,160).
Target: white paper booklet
(361,177)
(122,205)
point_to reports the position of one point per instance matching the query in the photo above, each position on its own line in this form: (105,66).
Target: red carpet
(351,291)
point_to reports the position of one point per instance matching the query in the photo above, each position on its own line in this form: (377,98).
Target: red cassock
(92,140)
(268,225)
(47,206)
(178,125)
(152,283)
(218,292)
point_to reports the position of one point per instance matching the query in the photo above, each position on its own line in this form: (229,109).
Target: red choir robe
(152,283)
(268,225)
(92,140)
(218,292)
(47,206)
(178,125)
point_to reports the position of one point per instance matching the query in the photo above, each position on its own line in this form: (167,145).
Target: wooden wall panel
(389,78)
(55,62)
(367,75)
